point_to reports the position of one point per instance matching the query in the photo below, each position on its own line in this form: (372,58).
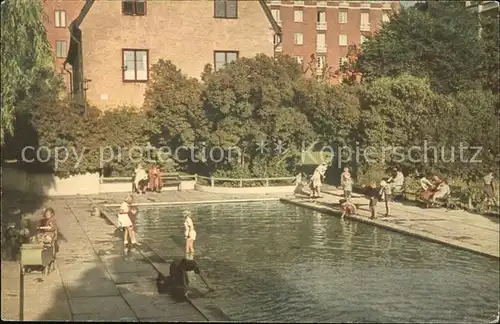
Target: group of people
(433,188)
(177,282)
(147,180)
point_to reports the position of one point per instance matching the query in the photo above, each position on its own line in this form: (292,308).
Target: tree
(253,100)
(26,60)
(439,42)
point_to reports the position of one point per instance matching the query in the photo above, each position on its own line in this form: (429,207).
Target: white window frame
(276,15)
(343,40)
(342,17)
(298,39)
(298,16)
(135,78)
(364,23)
(60,18)
(226,60)
(320,62)
(320,14)
(385,17)
(343,60)
(61,48)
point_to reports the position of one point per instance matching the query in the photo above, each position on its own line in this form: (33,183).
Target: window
(320,41)
(299,59)
(135,65)
(365,21)
(385,17)
(222,58)
(298,39)
(134,7)
(342,17)
(343,40)
(362,39)
(60,19)
(321,17)
(343,61)
(276,39)
(226,8)
(61,48)
(276,15)
(320,62)
(298,16)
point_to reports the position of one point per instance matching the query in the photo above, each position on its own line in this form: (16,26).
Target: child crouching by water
(348,207)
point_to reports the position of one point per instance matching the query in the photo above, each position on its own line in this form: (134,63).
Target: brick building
(327,28)
(58,15)
(114,43)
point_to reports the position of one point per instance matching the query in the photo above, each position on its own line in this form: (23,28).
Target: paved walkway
(457,228)
(94,279)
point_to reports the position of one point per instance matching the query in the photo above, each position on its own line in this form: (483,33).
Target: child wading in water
(348,207)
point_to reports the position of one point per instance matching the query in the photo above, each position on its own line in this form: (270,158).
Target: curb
(391,227)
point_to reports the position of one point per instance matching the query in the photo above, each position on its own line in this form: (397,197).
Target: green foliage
(253,100)
(26,60)
(440,42)
(174,107)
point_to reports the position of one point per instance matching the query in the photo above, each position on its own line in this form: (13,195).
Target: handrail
(195,177)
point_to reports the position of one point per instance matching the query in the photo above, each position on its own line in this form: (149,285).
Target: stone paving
(457,228)
(96,280)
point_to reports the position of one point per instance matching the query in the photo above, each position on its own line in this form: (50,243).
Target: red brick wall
(334,28)
(72,10)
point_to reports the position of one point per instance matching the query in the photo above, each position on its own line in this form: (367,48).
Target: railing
(165,177)
(365,4)
(321,25)
(320,48)
(298,3)
(344,4)
(365,27)
(266,182)
(279,48)
(321,3)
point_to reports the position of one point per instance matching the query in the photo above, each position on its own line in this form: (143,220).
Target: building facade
(58,15)
(115,43)
(326,29)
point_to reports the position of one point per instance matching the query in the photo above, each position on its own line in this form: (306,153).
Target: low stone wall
(84,184)
(246,190)
(47,184)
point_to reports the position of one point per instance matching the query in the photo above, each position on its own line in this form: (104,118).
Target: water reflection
(275,262)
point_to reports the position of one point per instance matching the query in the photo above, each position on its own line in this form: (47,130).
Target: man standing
(489,191)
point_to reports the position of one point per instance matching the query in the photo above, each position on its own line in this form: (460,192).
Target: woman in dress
(189,233)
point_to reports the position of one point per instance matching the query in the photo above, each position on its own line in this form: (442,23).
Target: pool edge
(104,214)
(200,202)
(391,227)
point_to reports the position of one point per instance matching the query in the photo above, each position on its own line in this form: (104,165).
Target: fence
(242,182)
(212,181)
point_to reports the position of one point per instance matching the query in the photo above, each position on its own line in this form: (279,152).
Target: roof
(85,9)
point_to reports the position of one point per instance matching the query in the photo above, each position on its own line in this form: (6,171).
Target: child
(348,207)
(373,194)
(385,193)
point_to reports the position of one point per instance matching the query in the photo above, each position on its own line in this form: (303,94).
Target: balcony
(275,2)
(321,25)
(365,5)
(321,3)
(387,6)
(321,49)
(298,3)
(365,27)
(278,48)
(344,4)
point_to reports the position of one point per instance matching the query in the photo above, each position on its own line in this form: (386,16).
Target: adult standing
(317,180)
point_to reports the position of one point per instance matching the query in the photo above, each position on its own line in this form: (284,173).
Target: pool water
(276,262)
